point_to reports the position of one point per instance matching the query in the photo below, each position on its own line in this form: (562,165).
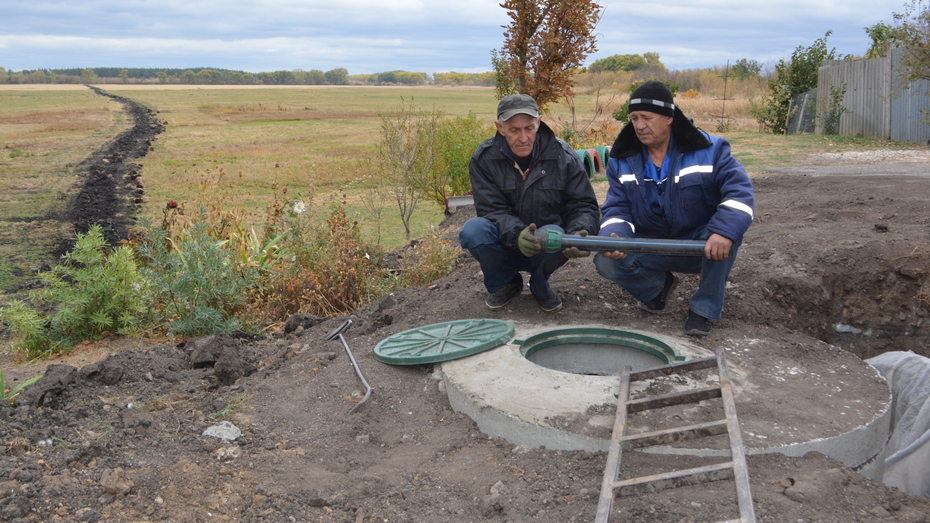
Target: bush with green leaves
(912,34)
(197,287)
(455,141)
(95,289)
(192,276)
(793,77)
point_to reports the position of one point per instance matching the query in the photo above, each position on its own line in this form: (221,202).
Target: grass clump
(9,394)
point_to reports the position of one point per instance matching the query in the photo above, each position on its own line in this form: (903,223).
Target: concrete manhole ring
(560,404)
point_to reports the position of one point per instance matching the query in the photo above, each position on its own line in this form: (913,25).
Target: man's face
(520,133)
(652,129)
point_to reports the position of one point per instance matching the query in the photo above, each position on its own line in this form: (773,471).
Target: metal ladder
(734,469)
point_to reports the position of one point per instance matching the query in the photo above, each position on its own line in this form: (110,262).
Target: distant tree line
(209,76)
(199,75)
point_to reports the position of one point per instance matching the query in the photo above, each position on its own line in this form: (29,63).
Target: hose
(555,241)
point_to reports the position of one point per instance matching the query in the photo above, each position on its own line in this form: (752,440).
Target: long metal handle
(554,241)
(357,371)
(338,333)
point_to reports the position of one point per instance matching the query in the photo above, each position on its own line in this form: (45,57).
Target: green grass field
(44,132)
(315,141)
(312,141)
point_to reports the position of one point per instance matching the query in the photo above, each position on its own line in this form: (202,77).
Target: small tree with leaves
(882,36)
(543,45)
(912,34)
(793,77)
(745,68)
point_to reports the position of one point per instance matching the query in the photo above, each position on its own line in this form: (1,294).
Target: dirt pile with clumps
(111,187)
(831,257)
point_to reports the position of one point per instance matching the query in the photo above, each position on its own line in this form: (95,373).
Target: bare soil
(838,254)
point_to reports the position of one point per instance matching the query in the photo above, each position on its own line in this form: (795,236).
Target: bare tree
(406,155)
(545,41)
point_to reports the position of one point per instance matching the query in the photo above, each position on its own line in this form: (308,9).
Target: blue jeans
(643,276)
(499,264)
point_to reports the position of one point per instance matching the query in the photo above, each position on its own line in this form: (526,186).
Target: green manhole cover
(443,341)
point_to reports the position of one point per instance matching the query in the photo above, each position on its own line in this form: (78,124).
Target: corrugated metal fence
(876,102)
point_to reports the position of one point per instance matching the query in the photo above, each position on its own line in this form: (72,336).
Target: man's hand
(717,247)
(528,243)
(575,252)
(616,255)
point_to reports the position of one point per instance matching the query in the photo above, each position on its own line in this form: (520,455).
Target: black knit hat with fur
(654,97)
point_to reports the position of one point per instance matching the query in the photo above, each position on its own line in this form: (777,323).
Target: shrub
(455,142)
(191,276)
(835,109)
(329,272)
(432,258)
(94,290)
(196,285)
(792,78)
(406,155)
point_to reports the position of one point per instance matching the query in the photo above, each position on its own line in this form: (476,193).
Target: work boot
(552,304)
(697,325)
(498,300)
(657,305)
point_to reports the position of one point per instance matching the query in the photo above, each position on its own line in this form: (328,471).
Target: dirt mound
(843,259)
(110,188)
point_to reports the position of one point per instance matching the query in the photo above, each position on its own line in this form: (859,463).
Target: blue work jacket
(706,187)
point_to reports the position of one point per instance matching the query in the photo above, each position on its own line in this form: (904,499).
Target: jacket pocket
(691,191)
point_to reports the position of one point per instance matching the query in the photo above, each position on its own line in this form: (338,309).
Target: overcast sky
(368,36)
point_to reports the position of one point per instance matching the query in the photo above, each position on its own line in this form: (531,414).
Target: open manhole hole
(596,351)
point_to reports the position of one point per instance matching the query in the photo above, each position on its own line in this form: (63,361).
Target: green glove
(528,243)
(575,252)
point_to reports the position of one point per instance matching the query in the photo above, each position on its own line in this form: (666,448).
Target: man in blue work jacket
(670,180)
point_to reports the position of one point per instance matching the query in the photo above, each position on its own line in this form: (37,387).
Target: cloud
(366,36)
(702,33)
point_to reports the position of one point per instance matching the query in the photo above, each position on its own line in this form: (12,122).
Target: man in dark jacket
(523,177)
(670,180)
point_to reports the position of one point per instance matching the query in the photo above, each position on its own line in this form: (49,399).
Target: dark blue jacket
(705,186)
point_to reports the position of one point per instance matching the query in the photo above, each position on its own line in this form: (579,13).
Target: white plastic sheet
(907,466)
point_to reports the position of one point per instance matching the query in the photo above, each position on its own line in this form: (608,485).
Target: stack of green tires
(587,160)
(594,159)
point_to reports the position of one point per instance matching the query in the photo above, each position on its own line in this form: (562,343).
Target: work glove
(575,252)
(528,243)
